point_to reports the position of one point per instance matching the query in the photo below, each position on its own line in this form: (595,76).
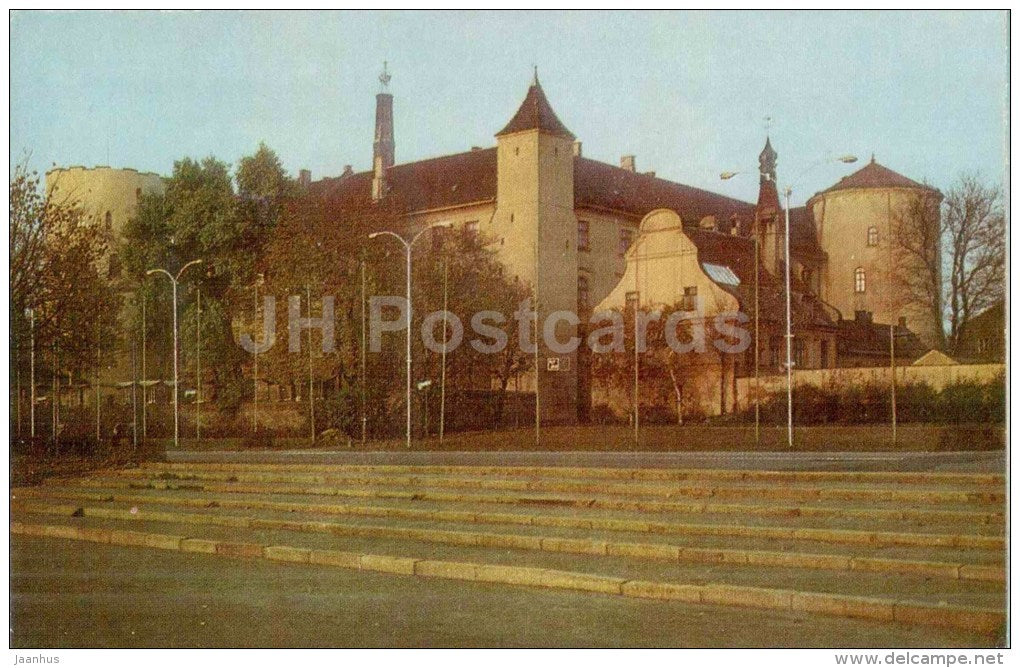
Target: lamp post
(198,364)
(173,281)
(255,362)
(408,245)
(787,191)
(145,377)
(31,366)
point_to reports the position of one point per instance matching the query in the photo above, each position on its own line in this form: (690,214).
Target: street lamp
(407,249)
(787,191)
(173,281)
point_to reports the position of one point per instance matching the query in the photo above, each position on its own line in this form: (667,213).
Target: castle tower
(535,218)
(768,222)
(383,146)
(858,222)
(109,198)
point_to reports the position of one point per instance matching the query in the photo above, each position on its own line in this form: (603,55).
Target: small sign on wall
(557,363)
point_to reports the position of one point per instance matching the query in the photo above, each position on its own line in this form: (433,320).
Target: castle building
(587,235)
(572,228)
(109,198)
(559,221)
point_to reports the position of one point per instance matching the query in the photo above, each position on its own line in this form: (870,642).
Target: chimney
(348,171)
(862,317)
(707,223)
(378,179)
(305,178)
(651,174)
(577,148)
(903,321)
(384,145)
(627,162)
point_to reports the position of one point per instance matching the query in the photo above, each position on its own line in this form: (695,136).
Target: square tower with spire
(535,217)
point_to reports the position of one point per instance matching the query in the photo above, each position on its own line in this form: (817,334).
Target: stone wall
(937,377)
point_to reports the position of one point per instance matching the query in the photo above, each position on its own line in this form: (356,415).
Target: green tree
(201,216)
(57,257)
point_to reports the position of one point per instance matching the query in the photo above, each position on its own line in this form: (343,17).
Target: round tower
(109,196)
(862,223)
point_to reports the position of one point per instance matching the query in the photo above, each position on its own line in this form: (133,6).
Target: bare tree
(974,234)
(951,259)
(915,264)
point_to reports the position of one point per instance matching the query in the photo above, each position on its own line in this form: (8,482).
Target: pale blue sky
(685,92)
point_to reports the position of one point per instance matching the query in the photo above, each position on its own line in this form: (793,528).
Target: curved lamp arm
(388,233)
(193,262)
(161,271)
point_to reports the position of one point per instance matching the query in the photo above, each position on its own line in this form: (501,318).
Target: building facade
(580,232)
(585,234)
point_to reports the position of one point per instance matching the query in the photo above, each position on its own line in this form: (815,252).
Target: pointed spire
(768,196)
(535,113)
(767,161)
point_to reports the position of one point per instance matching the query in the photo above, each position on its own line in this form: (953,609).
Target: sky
(688,93)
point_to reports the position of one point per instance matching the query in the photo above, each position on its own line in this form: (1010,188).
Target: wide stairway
(907,548)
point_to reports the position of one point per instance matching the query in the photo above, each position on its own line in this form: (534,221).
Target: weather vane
(768,124)
(385,77)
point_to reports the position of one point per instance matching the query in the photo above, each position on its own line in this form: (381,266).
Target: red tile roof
(874,175)
(463,178)
(601,185)
(535,113)
(737,253)
(447,181)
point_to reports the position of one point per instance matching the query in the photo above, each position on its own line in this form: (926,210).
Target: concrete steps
(799,491)
(912,548)
(728,534)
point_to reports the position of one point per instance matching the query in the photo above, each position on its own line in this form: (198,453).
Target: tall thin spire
(767,162)
(534,81)
(384,145)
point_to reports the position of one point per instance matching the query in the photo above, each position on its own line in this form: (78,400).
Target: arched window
(872,236)
(583,293)
(860,282)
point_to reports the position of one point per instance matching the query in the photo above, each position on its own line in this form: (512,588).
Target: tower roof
(767,159)
(535,113)
(874,175)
